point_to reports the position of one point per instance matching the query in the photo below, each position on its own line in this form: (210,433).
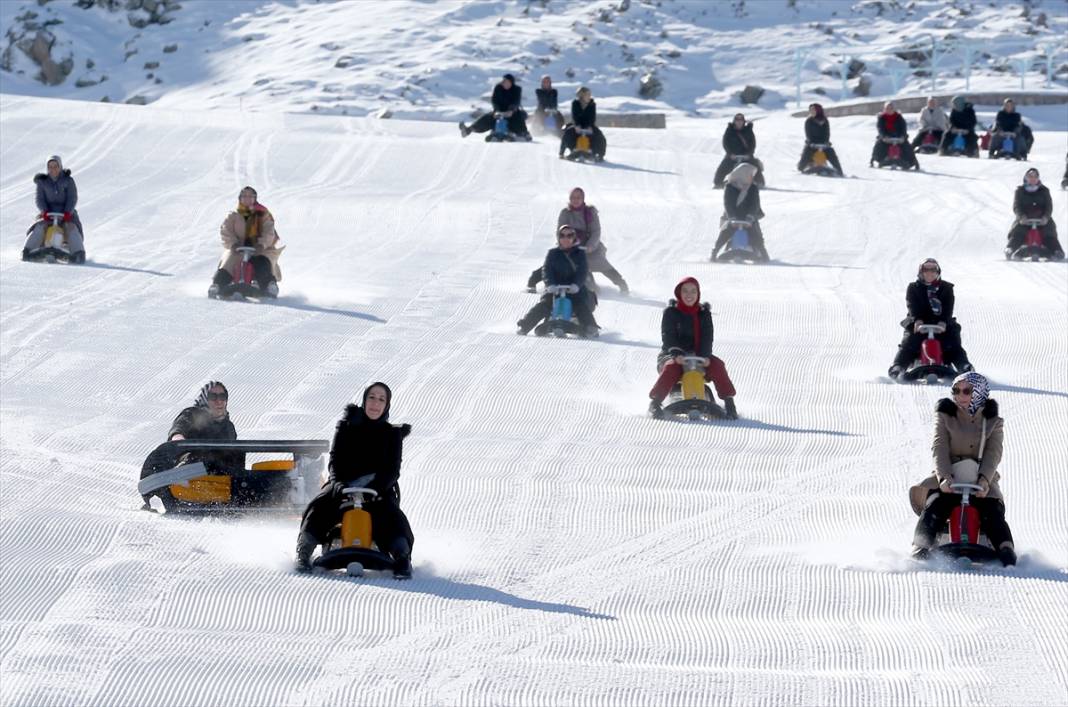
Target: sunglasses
(961,391)
(218,396)
(930,269)
(567,234)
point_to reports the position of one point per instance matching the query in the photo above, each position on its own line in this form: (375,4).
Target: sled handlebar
(363,490)
(893,140)
(739,222)
(819,145)
(741,158)
(54,216)
(558,290)
(694,363)
(1033,222)
(931,329)
(966,490)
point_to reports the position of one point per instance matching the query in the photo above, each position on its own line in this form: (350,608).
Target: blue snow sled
(958,142)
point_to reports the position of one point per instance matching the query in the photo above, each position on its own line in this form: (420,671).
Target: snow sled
(962,537)
(691,397)
(185,485)
(501,133)
(739,247)
(1008,148)
(928,145)
(956,143)
(1033,249)
(895,156)
(349,546)
(930,365)
(818,164)
(562,320)
(583,152)
(55,248)
(244,283)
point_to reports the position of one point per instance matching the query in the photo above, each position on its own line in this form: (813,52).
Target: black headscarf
(389,398)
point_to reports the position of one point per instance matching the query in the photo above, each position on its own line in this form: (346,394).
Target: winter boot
(464,130)
(305,546)
(26,254)
(402,559)
(895,371)
(1007,555)
(656,411)
(78,258)
(728,407)
(920,553)
(591,331)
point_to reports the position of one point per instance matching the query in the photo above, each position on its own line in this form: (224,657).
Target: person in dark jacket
(686,330)
(739,143)
(208,420)
(741,202)
(564,265)
(929,300)
(56,193)
(961,117)
(507,101)
(365,444)
(967,448)
(818,132)
(1033,201)
(891,124)
(1009,121)
(584,122)
(548,106)
(1064,180)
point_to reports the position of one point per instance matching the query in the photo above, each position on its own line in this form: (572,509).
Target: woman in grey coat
(960,426)
(56,192)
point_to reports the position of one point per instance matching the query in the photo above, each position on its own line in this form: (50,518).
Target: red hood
(678,290)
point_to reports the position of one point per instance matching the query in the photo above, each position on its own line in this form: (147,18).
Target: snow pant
(879,152)
(953,351)
(671,373)
(1018,234)
(261,269)
(598,143)
(517,123)
(806,158)
(971,143)
(70,230)
(580,306)
(728,163)
(597,262)
(388,522)
(756,237)
(918,140)
(939,507)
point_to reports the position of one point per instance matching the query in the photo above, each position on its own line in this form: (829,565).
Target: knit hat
(980,389)
(510,77)
(57,159)
(202,396)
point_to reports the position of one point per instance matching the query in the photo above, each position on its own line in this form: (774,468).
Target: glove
(43,216)
(944,487)
(337,489)
(573,289)
(66,217)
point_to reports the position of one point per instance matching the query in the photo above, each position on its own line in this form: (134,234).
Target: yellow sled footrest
(204,489)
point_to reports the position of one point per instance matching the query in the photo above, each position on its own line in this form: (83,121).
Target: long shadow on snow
(467,591)
(632,299)
(616,341)
(997,386)
(784,264)
(123,268)
(772,427)
(628,168)
(295,302)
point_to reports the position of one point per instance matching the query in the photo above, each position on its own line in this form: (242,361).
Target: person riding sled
(741,202)
(818,132)
(930,301)
(507,101)
(1032,201)
(548,106)
(584,122)
(891,126)
(365,444)
(962,118)
(250,225)
(933,122)
(56,193)
(739,143)
(686,330)
(565,266)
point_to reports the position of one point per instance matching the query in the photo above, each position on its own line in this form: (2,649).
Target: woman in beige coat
(960,424)
(250,225)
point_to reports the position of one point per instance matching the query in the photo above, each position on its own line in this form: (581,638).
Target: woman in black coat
(1033,201)
(962,117)
(741,202)
(818,132)
(564,265)
(930,300)
(738,140)
(365,444)
(584,121)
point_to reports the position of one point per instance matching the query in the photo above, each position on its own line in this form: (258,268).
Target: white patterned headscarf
(980,389)
(202,396)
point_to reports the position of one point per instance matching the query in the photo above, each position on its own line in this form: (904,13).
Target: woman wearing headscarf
(365,444)
(584,122)
(818,132)
(249,225)
(930,300)
(967,427)
(56,193)
(962,117)
(741,202)
(1032,201)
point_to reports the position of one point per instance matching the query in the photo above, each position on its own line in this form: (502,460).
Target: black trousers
(908,156)
(598,143)
(1018,235)
(939,507)
(806,157)
(261,272)
(952,350)
(727,164)
(580,306)
(517,123)
(388,522)
(918,140)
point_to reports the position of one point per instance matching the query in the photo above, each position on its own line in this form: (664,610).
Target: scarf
(694,311)
(253,220)
(202,396)
(932,297)
(980,389)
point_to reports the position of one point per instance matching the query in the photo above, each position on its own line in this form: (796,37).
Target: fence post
(845,78)
(969,57)
(896,74)
(1023,65)
(1050,49)
(799,61)
(934,64)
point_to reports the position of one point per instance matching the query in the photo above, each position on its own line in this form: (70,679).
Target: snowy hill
(569,550)
(440,59)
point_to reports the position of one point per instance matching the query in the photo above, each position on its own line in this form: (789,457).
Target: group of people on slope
(939,129)
(507,102)
(365,444)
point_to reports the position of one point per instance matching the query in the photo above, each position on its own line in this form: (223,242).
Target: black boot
(306,543)
(1007,555)
(402,559)
(920,553)
(656,411)
(728,407)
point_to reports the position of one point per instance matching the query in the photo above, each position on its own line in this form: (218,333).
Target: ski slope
(569,550)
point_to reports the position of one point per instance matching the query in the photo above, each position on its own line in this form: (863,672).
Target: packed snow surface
(569,549)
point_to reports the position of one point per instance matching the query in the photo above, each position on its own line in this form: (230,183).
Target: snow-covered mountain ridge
(439,60)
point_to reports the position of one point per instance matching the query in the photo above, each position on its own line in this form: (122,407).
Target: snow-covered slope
(569,549)
(440,59)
